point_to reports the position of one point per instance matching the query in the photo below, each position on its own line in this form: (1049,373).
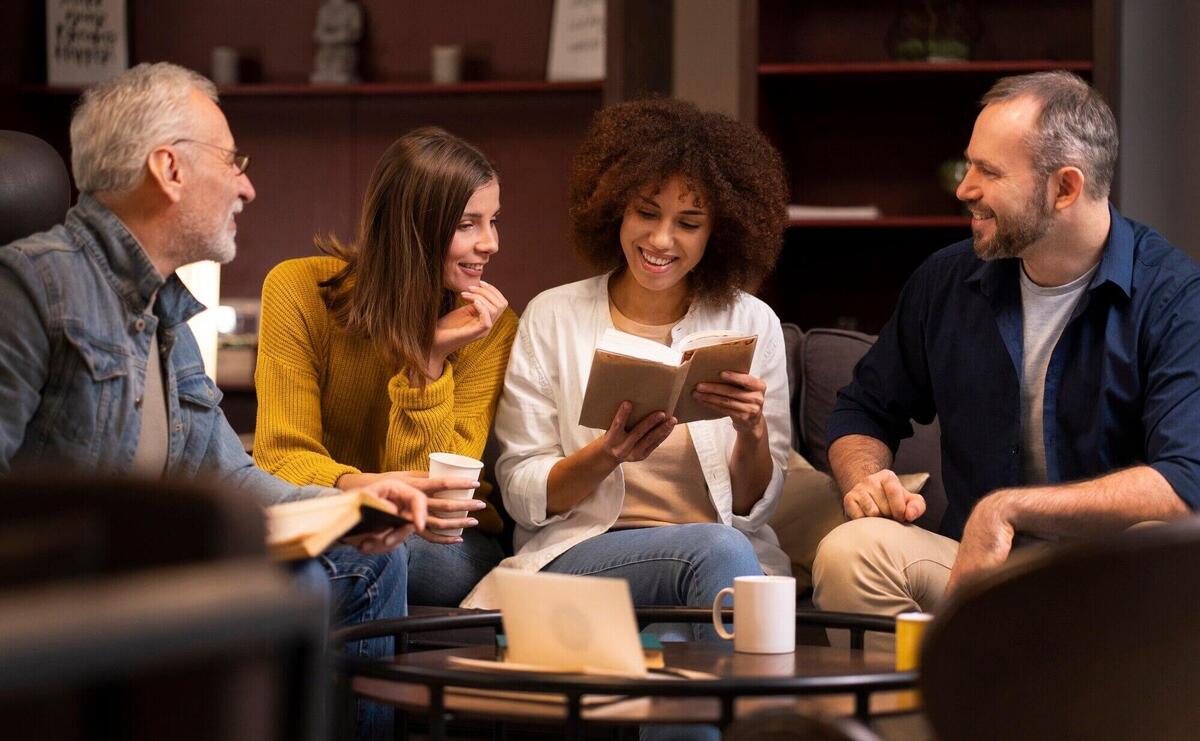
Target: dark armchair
(35,190)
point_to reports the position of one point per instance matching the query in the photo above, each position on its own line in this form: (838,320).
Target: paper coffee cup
(910,631)
(458,466)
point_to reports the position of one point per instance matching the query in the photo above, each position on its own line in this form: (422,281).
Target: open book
(655,377)
(306,528)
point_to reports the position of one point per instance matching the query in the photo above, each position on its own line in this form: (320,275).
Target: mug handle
(716,613)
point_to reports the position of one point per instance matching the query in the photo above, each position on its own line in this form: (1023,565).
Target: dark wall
(312,155)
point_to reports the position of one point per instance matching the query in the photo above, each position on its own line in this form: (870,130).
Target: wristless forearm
(1102,505)
(854,457)
(576,477)
(750,469)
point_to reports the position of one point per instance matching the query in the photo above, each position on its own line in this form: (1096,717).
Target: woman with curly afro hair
(683,211)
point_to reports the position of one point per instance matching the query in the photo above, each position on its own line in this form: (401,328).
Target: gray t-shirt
(1046,311)
(150,458)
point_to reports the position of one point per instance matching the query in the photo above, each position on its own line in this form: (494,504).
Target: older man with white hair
(99,372)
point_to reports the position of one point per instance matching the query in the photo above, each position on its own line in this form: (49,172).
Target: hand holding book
(654,377)
(378,515)
(739,396)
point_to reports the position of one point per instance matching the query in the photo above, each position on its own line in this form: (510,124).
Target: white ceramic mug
(458,466)
(764,614)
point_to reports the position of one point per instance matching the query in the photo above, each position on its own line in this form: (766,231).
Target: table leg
(727,713)
(574,728)
(862,706)
(437,713)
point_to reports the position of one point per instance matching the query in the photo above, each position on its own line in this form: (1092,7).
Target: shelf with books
(860,131)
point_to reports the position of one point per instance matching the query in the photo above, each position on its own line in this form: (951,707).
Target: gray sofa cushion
(820,362)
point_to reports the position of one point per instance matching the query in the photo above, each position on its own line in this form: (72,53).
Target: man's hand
(436,508)
(410,503)
(882,495)
(986,542)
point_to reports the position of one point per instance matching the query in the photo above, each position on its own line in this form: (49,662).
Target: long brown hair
(391,290)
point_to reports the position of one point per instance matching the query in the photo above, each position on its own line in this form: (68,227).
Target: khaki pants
(878,566)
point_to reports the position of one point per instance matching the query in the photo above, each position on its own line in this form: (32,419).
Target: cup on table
(910,631)
(764,614)
(457,466)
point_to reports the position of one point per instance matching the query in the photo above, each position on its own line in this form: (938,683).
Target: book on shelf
(304,529)
(654,377)
(846,213)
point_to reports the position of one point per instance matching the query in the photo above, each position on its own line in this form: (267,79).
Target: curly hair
(735,171)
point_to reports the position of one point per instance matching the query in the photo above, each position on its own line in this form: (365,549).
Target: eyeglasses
(239,162)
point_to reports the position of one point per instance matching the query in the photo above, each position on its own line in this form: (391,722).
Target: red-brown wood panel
(502,40)
(312,157)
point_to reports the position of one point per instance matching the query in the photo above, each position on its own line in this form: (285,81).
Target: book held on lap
(654,377)
(304,529)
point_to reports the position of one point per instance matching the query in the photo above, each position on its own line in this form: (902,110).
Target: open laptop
(569,623)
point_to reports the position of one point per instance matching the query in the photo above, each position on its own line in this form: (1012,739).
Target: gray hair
(1075,128)
(120,121)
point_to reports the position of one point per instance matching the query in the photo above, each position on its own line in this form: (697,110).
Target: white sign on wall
(86,41)
(576,41)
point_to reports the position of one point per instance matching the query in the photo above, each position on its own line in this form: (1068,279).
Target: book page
(630,345)
(705,365)
(696,340)
(294,520)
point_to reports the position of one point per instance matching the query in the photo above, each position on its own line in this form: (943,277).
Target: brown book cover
(654,377)
(304,529)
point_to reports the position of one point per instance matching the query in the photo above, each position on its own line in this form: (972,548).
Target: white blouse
(536,425)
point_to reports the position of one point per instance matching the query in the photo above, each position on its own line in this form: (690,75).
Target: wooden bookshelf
(977,67)
(855,128)
(304,89)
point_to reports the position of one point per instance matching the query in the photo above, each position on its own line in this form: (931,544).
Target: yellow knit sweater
(328,403)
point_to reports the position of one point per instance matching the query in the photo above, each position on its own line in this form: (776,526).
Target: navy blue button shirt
(1122,387)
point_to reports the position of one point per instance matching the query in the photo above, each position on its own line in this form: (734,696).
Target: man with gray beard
(99,373)
(1059,349)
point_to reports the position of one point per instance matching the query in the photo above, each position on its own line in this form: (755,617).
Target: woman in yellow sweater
(391,348)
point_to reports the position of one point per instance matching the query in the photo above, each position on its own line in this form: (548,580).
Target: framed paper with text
(576,41)
(86,41)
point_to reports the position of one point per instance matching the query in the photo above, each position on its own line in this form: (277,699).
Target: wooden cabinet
(855,128)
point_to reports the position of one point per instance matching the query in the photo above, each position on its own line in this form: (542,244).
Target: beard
(1013,234)
(199,238)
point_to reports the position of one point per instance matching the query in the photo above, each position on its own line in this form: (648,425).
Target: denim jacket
(74,339)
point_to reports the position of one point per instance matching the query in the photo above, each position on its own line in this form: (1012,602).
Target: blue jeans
(674,565)
(379,586)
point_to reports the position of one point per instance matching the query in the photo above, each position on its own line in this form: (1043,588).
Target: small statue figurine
(339,28)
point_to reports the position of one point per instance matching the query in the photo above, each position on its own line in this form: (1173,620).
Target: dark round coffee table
(425,682)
